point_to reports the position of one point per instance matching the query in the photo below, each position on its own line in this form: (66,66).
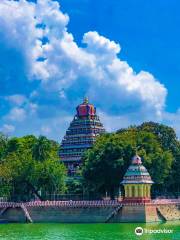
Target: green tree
(29,165)
(3,144)
(26,176)
(41,149)
(50,176)
(74,186)
(16,172)
(167,137)
(165,134)
(105,164)
(174,178)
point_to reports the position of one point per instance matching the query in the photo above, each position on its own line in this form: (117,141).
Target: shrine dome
(86,109)
(136,173)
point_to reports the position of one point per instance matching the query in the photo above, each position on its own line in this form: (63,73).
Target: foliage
(74,186)
(167,138)
(30,165)
(3,145)
(165,135)
(106,163)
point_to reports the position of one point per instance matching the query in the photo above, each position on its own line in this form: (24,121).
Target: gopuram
(80,136)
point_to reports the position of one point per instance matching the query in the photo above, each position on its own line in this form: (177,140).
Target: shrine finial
(86,101)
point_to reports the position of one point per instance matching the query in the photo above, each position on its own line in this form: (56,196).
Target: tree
(50,176)
(165,134)
(25,176)
(23,173)
(16,172)
(174,178)
(74,186)
(41,149)
(105,164)
(167,137)
(3,144)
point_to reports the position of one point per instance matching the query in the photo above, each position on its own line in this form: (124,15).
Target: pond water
(55,231)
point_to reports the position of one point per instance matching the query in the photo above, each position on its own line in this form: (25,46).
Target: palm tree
(41,149)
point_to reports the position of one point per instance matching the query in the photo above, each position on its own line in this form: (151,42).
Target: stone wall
(59,214)
(147,213)
(151,214)
(93,214)
(14,215)
(130,214)
(69,215)
(169,212)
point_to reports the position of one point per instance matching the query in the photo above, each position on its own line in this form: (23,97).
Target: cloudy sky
(123,54)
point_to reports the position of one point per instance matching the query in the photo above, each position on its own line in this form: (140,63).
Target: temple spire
(86,100)
(80,136)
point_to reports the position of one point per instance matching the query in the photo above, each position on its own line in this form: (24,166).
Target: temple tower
(137,183)
(80,135)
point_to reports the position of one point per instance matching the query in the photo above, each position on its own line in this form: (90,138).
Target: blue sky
(148,32)
(124,55)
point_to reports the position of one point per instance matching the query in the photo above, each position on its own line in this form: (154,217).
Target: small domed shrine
(80,136)
(137,182)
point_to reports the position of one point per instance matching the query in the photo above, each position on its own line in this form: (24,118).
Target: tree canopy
(28,166)
(105,164)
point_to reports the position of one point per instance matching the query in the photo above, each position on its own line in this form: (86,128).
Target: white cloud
(16,99)
(173,120)
(101,69)
(45,130)
(62,94)
(7,129)
(21,110)
(122,95)
(113,123)
(101,46)
(16,114)
(17,23)
(54,128)
(66,63)
(32,108)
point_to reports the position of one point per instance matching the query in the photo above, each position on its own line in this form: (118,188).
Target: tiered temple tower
(80,135)
(137,182)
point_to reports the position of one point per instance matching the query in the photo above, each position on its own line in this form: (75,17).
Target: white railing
(86,203)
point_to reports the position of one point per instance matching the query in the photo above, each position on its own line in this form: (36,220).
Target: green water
(53,231)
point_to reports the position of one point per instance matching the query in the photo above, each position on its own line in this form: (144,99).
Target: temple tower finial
(136,150)
(86,100)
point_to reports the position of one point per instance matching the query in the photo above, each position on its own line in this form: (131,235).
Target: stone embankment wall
(169,212)
(13,215)
(89,212)
(137,213)
(70,215)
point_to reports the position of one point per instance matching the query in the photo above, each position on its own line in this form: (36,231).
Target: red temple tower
(80,135)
